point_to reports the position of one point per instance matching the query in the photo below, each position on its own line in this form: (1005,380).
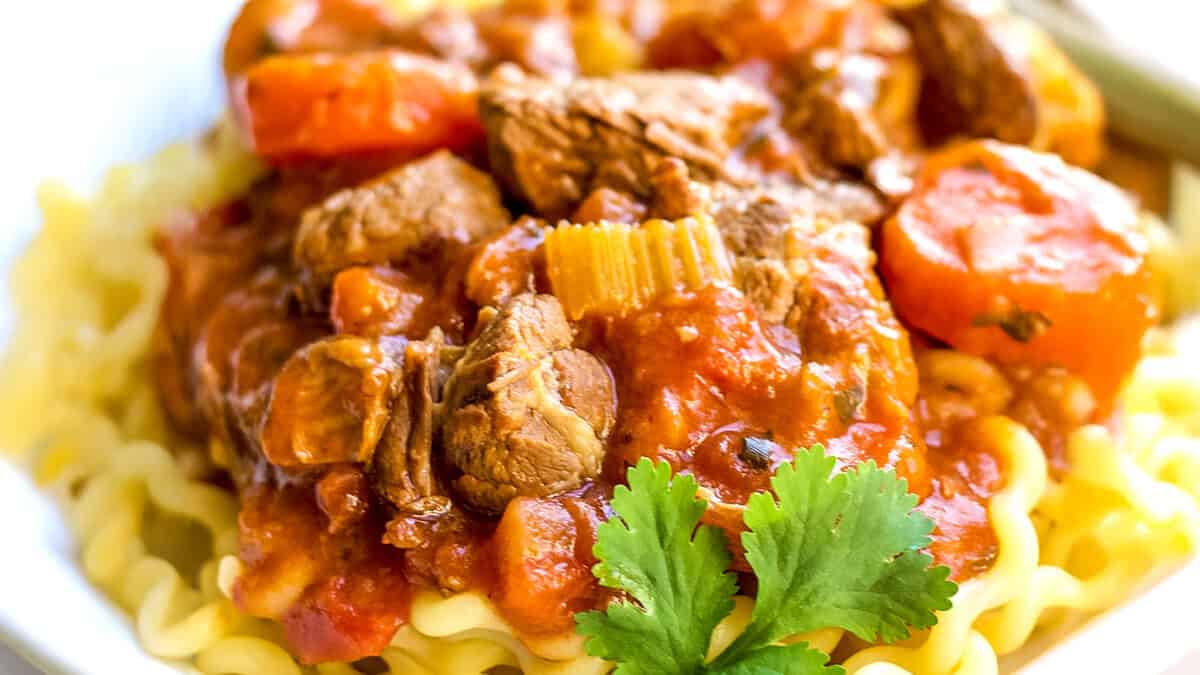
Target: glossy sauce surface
(701,381)
(698,374)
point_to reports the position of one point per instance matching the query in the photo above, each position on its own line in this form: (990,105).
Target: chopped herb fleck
(848,402)
(756,452)
(1019,324)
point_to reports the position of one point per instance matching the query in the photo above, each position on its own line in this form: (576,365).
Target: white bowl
(90,84)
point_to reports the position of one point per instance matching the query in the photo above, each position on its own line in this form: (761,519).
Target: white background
(86,83)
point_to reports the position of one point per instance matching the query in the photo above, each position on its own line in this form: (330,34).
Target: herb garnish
(1019,324)
(829,550)
(756,452)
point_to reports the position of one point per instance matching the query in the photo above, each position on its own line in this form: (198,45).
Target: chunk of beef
(676,195)
(758,228)
(343,497)
(611,206)
(763,226)
(526,414)
(552,143)
(261,301)
(348,399)
(816,277)
(770,233)
(508,264)
(975,82)
(418,207)
(208,256)
(257,360)
(836,111)
(402,469)
(330,402)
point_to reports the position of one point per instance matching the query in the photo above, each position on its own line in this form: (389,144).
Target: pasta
(1080,544)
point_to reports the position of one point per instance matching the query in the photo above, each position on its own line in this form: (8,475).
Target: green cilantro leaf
(656,551)
(838,551)
(828,549)
(793,659)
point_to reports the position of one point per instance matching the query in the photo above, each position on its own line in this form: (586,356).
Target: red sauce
(703,384)
(966,475)
(728,378)
(354,595)
(727,374)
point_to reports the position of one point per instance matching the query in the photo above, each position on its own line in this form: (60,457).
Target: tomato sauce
(702,382)
(730,403)
(339,594)
(727,376)
(965,475)
(728,406)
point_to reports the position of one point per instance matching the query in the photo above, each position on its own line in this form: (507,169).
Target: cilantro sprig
(675,572)
(828,549)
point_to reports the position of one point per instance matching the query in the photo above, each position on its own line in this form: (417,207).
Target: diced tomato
(340,595)
(507,264)
(329,105)
(349,616)
(373,301)
(542,581)
(1010,254)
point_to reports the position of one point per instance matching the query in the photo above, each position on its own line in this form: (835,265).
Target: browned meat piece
(771,233)
(330,402)
(447,33)
(362,401)
(552,143)
(836,112)
(255,363)
(676,195)
(756,229)
(764,227)
(975,78)
(343,496)
(508,264)
(261,301)
(402,469)
(526,414)
(609,206)
(418,207)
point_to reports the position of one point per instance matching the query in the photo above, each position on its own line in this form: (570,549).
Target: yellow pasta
(77,402)
(611,268)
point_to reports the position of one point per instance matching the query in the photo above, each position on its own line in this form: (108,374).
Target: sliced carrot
(379,301)
(1011,254)
(541,579)
(326,105)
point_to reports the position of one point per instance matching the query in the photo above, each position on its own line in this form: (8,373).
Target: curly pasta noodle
(77,398)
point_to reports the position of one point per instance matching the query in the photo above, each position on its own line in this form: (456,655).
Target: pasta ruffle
(77,398)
